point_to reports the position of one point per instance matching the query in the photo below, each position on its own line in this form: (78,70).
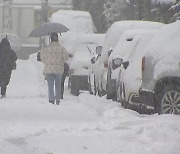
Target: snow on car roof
(118,28)
(163,50)
(76,21)
(167,38)
(124,43)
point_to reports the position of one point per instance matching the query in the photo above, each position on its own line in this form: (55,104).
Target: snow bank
(99,105)
(137,133)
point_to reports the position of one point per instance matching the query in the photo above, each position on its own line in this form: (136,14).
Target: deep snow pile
(79,125)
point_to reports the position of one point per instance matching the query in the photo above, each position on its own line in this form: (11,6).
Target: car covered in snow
(160,88)
(78,22)
(130,75)
(80,64)
(112,37)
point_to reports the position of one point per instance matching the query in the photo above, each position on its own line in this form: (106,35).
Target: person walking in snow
(7,64)
(54,56)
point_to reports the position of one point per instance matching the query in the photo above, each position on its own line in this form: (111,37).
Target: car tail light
(143,63)
(71,71)
(105,65)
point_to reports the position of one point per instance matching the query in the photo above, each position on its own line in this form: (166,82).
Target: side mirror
(129,39)
(125,64)
(116,63)
(93,60)
(98,50)
(70,55)
(109,52)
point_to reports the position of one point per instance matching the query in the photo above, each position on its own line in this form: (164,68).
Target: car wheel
(118,93)
(74,87)
(95,89)
(92,86)
(123,98)
(109,96)
(169,100)
(69,83)
(99,92)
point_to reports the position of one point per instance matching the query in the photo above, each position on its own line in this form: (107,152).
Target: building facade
(21,16)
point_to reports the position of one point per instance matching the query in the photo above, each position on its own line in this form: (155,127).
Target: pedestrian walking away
(54,56)
(7,64)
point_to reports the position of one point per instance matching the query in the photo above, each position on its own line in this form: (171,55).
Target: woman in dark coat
(7,64)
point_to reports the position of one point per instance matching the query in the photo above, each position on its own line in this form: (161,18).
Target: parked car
(112,36)
(111,82)
(81,62)
(160,88)
(130,75)
(78,22)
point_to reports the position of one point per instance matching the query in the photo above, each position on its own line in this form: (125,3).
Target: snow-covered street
(87,124)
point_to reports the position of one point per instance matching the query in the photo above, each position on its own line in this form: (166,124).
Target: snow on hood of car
(85,49)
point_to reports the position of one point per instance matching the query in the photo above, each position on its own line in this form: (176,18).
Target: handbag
(38,57)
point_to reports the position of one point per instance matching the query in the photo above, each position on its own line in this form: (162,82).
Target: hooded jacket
(54,56)
(7,61)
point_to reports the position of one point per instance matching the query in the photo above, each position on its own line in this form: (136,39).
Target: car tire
(69,83)
(118,90)
(109,96)
(123,97)
(92,89)
(74,88)
(169,100)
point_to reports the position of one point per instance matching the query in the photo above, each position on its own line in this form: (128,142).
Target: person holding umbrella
(54,56)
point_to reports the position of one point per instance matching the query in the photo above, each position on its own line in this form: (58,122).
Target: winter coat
(7,62)
(54,57)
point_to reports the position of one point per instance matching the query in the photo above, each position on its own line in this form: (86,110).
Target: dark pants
(62,84)
(3,90)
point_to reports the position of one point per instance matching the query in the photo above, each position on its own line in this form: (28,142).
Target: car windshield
(85,48)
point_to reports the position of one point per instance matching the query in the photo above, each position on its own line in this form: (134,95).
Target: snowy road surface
(79,125)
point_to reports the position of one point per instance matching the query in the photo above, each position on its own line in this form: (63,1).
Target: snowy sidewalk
(79,125)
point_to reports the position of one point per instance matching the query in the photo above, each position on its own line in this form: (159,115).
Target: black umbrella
(48,28)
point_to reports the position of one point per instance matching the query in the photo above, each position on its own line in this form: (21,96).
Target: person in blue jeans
(54,56)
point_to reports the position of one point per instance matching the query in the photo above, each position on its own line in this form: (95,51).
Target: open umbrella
(14,40)
(47,28)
